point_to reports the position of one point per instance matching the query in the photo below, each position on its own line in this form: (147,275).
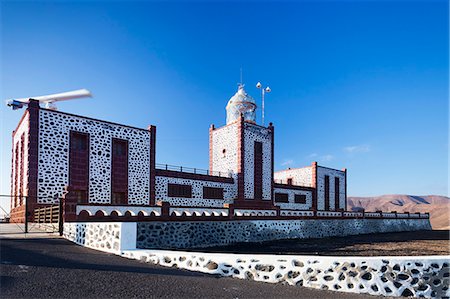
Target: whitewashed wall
(292,205)
(254,133)
(161,184)
(225,138)
(53,168)
(332,173)
(300,176)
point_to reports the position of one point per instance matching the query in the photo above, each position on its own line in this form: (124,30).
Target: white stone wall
(300,176)
(53,168)
(105,236)
(332,173)
(254,133)
(229,192)
(225,139)
(22,130)
(292,205)
(410,276)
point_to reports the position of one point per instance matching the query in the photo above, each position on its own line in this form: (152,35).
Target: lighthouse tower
(244,149)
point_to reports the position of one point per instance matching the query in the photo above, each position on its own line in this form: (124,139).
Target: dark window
(80,196)
(120,147)
(79,165)
(300,198)
(327,193)
(78,141)
(212,193)
(289,181)
(258,164)
(118,198)
(336,193)
(281,197)
(176,190)
(119,171)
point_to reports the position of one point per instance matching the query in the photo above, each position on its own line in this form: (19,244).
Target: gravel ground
(434,242)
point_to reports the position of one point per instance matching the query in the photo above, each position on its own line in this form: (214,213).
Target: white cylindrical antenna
(49,100)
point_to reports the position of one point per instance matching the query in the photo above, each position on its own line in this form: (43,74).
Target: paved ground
(405,244)
(55,267)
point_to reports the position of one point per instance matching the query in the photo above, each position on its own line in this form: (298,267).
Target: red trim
(152,130)
(294,187)
(193,176)
(211,153)
(240,158)
(33,155)
(272,131)
(20,122)
(345,188)
(314,185)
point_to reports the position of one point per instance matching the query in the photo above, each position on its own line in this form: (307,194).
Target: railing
(193,170)
(47,214)
(292,183)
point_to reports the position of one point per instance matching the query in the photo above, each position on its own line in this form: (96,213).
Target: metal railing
(193,170)
(47,214)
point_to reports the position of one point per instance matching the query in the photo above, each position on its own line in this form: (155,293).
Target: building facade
(112,165)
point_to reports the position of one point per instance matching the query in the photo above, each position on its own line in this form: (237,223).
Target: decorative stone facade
(54,131)
(200,234)
(422,276)
(332,174)
(229,192)
(254,133)
(224,149)
(299,176)
(291,205)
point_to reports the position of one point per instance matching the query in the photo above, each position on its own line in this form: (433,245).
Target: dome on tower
(243,103)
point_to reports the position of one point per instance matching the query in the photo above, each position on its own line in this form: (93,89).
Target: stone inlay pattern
(53,169)
(161,184)
(424,276)
(291,205)
(332,173)
(254,133)
(191,234)
(225,149)
(102,236)
(300,176)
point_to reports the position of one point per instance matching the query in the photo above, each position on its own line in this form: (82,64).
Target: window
(224,151)
(118,198)
(80,196)
(78,141)
(258,170)
(327,193)
(281,197)
(176,190)
(79,165)
(336,193)
(289,181)
(300,198)
(120,147)
(212,193)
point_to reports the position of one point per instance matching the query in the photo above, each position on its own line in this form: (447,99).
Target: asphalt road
(57,268)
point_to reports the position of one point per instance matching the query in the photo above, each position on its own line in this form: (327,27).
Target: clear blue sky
(362,85)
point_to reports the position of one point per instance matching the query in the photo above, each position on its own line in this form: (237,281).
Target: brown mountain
(437,206)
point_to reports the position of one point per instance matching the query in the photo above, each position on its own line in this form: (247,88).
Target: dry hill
(437,206)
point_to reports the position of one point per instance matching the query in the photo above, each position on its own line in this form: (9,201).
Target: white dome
(243,103)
